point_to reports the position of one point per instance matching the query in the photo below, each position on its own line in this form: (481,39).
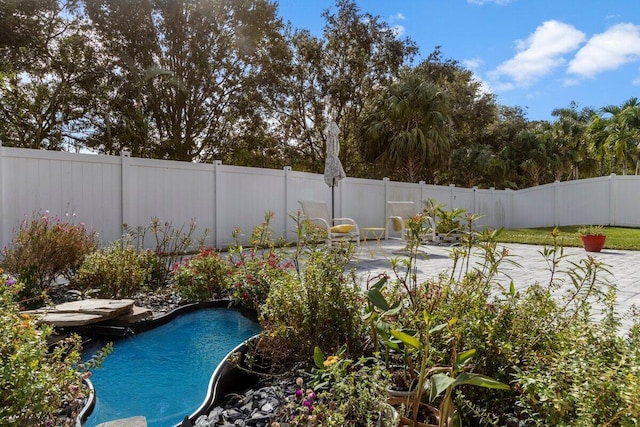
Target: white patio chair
(336,229)
(398,213)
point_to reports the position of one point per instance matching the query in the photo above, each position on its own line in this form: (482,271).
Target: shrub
(357,397)
(320,307)
(201,278)
(44,249)
(170,245)
(35,383)
(566,368)
(255,269)
(252,275)
(117,271)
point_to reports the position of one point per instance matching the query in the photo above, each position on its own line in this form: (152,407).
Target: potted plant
(592,237)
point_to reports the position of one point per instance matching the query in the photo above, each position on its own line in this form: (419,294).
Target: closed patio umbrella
(333,171)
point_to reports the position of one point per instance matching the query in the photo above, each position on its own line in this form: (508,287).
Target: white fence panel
(310,186)
(363,200)
(440,194)
(500,202)
(245,196)
(464,198)
(583,202)
(485,207)
(405,192)
(625,201)
(178,193)
(533,207)
(35,181)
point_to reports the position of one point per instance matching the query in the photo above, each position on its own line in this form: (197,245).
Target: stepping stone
(137,314)
(139,421)
(85,312)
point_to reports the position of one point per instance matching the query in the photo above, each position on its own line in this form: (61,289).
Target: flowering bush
(34,382)
(44,248)
(117,271)
(252,275)
(357,397)
(201,278)
(254,270)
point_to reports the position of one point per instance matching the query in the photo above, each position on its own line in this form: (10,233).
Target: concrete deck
(623,266)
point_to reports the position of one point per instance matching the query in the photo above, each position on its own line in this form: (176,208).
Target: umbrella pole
(333,205)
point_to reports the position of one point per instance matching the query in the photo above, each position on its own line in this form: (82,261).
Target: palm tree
(408,124)
(568,132)
(596,136)
(624,132)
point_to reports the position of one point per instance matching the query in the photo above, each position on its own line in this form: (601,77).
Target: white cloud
(397,17)
(606,51)
(540,54)
(473,63)
(570,82)
(399,30)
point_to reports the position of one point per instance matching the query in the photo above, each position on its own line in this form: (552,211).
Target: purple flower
(10,282)
(298,393)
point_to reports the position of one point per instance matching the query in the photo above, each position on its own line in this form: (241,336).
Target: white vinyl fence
(105,192)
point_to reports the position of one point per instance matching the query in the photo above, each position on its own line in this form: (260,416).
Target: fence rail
(107,192)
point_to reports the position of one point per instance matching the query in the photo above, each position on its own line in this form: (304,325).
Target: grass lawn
(617,237)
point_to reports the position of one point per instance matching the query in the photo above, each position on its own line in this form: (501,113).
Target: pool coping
(220,378)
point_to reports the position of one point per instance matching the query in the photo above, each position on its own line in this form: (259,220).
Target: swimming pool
(164,373)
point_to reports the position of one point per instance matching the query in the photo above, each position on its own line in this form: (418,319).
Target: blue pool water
(164,373)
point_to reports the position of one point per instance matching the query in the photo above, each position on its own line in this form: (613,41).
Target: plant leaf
(318,357)
(469,378)
(439,383)
(379,284)
(463,358)
(407,339)
(394,309)
(377,299)
(438,328)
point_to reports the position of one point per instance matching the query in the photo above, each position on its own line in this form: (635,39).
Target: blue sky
(537,54)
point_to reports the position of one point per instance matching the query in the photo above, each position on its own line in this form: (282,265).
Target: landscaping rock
(252,408)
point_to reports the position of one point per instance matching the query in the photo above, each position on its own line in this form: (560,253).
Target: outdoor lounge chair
(396,224)
(336,229)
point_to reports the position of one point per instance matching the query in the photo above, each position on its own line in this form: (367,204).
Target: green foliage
(319,307)
(161,100)
(253,270)
(170,244)
(251,277)
(529,339)
(201,278)
(355,397)
(117,271)
(407,126)
(35,383)
(359,393)
(447,221)
(591,230)
(45,248)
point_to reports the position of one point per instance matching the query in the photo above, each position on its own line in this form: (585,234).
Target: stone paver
(623,267)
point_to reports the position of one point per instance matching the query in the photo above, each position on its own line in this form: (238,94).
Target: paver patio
(624,267)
